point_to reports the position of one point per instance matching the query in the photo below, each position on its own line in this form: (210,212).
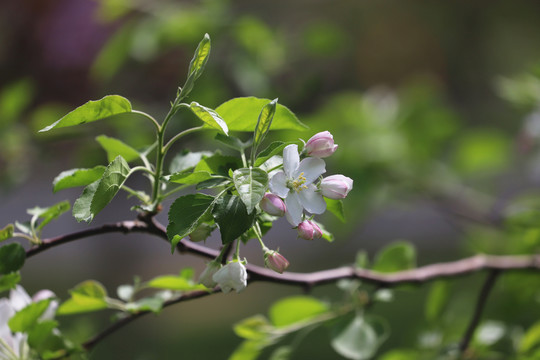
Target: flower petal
(278,184)
(290,160)
(312,169)
(311,200)
(19,298)
(294,209)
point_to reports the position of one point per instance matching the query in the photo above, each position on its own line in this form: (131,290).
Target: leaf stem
(149,117)
(179,135)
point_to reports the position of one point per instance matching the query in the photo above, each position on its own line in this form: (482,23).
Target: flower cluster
(296,188)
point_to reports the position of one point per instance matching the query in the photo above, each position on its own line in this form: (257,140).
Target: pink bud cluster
(309,230)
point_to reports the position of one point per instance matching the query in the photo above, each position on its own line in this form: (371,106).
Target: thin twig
(477,315)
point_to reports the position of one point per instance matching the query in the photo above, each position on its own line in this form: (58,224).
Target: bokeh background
(434,106)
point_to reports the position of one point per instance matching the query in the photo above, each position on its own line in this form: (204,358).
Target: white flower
(231,276)
(207,275)
(295,184)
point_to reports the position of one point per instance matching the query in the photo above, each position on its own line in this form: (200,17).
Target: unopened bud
(336,186)
(321,145)
(275,261)
(273,205)
(309,230)
(206,277)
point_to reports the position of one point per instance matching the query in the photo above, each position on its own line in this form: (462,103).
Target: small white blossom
(231,276)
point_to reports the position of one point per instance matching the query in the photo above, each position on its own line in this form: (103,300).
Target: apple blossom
(206,277)
(231,276)
(275,261)
(273,205)
(336,186)
(295,184)
(321,145)
(309,230)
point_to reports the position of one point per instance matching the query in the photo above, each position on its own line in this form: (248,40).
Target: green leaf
(12,257)
(436,300)
(326,235)
(48,214)
(251,184)
(256,327)
(81,206)
(92,111)
(153,304)
(336,208)
(40,333)
(9,281)
(115,147)
(231,215)
(197,64)
(282,353)
(189,177)
(26,319)
(398,256)
(359,339)
(174,282)
(90,288)
(77,177)
(210,117)
(296,309)
(275,148)
(113,178)
(212,183)
(531,339)
(187,160)
(263,124)
(241,114)
(7,232)
(89,295)
(185,214)
(233,142)
(248,350)
(401,354)
(206,167)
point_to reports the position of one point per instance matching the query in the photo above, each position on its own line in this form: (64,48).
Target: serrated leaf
(398,256)
(9,281)
(25,319)
(263,123)
(251,184)
(175,283)
(92,111)
(296,309)
(49,213)
(114,147)
(336,208)
(231,215)
(12,258)
(241,114)
(112,180)
(185,214)
(209,117)
(81,206)
(7,232)
(77,177)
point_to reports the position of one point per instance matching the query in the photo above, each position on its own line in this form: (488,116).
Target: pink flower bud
(308,230)
(336,186)
(273,205)
(275,261)
(321,145)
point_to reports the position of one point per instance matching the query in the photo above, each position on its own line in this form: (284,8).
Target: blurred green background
(434,105)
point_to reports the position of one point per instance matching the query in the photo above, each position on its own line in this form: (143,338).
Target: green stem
(258,233)
(140,168)
(169,193)
(179,135)
(236,255)
(134,193)
(149,117)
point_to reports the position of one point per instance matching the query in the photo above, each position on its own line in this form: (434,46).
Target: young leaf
(296,309)
(210,117)
(197,64)
(12,257)
(25,319)
(336,208)
(251,184)
(231,215)
(112,180)
(263,124)
(241,114)
(185,214)
(89,295)
(81,206)
(77,177)
(275,148)
(7,232)
(115,147)
(256,327)
(48,214)
(175,283)
(358,340)
(398,256)
(92,111)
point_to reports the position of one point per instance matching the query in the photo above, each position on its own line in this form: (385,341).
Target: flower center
(298,183)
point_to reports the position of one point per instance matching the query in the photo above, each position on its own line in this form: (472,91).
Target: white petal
(294,209)
(19,298)
(6,312)
(290,160)
(278,184)
(311,200)
(312,168)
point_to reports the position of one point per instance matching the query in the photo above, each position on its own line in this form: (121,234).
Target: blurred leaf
(12,258)
(189,177)
(92,111)
(522,90)
(241,114)
(115,147)
(251,184)
(231,215)
(248,350)
(326,235)
(531,339)
(359,339)
(115,52)
(336,208)
(324,39)
(9,281)
(481,152)
(153,304)
(296,309)
(437,299)
(282,353)
(125,292)
(14,99)
(25,319)
(77,177)
(397,256)
(256,327)
(88,296)
(185,214)
(38,336)
(174,282)
(209,117)
(401,354)
(48,214)
(6,232)
(361,261)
